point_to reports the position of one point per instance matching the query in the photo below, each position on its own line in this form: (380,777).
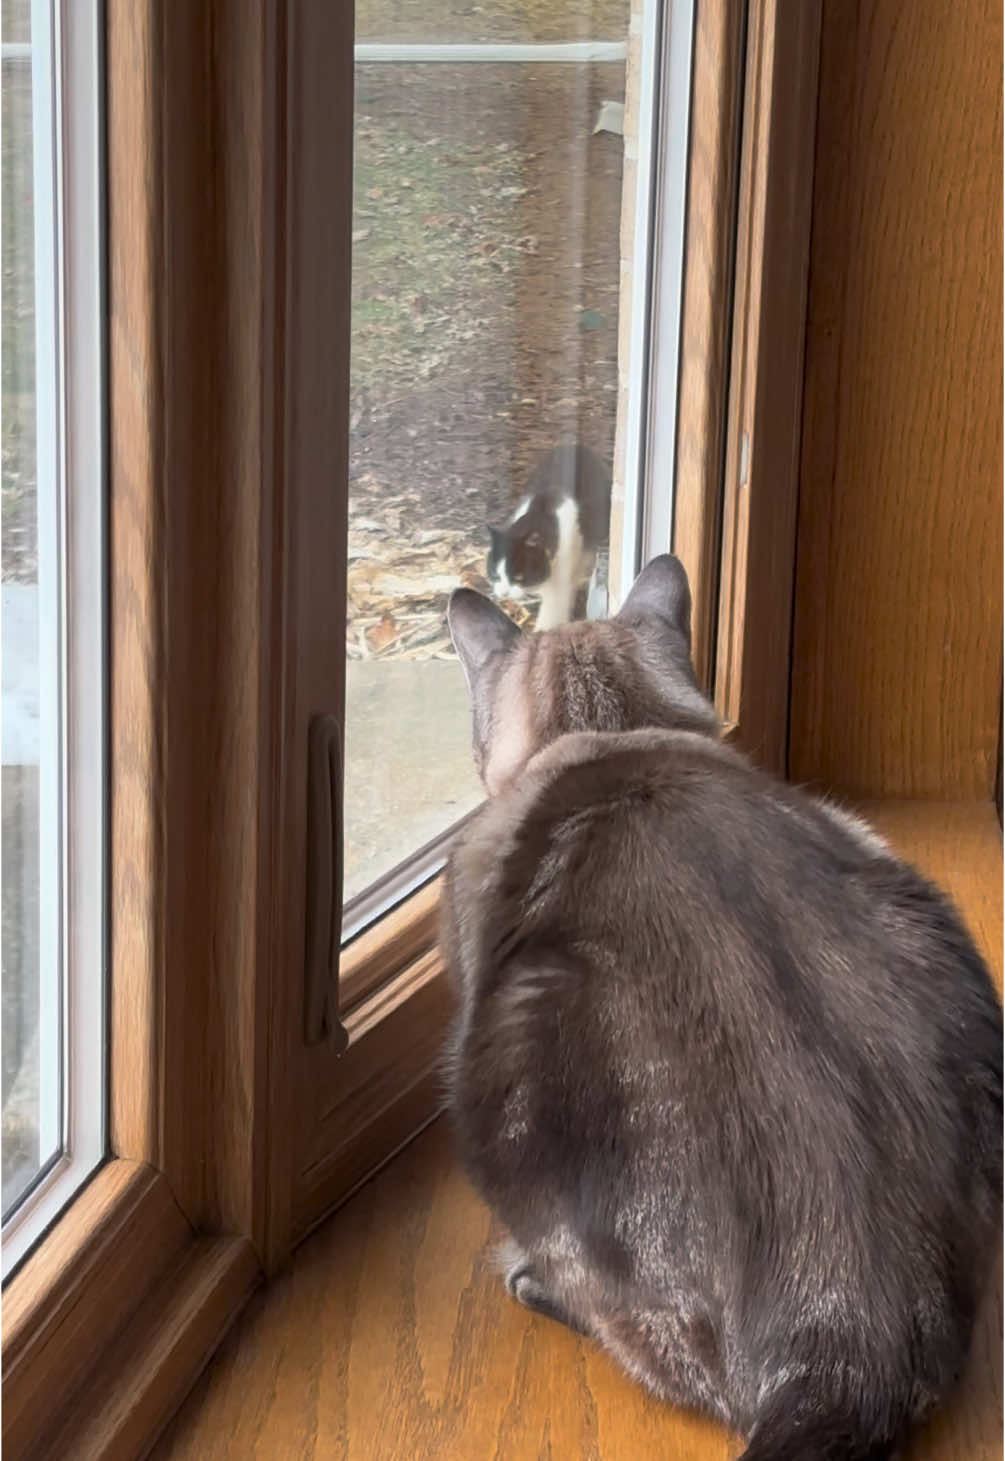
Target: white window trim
(667,284)
(658,285)
(45,132)
(70,312)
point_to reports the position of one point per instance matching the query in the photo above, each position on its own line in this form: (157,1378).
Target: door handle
(324,884)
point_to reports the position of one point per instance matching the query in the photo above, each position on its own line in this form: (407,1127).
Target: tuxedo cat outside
(550,545)
(728,1070)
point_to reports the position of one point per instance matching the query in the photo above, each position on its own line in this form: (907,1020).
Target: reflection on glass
(486,271)
(30,1134)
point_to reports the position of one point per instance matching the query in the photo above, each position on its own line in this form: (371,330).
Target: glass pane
(52,620)
(486,282)
(31,1077)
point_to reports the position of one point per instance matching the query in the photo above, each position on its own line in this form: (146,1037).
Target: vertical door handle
(324,883)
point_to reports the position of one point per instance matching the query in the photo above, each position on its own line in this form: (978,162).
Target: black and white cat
(550,545)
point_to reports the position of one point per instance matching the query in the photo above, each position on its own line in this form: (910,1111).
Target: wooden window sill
(111,1318)
(393,1335)
(388,947)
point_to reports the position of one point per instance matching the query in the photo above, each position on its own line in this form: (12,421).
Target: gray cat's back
(728,1070)
(696,895)
(700,1005)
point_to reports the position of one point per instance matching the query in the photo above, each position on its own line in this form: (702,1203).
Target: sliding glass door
(517,238)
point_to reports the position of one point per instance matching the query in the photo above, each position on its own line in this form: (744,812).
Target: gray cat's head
(626,673)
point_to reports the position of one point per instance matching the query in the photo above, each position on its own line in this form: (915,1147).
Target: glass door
(53,614)
(517,242)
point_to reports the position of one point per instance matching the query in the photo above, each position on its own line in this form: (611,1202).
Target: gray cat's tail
(791,1429)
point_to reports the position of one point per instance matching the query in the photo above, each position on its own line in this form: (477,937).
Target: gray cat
(727,1069)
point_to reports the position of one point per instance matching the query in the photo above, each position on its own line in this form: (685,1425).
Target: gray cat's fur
(727,1069)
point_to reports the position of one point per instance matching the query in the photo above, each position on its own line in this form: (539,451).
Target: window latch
(324,884)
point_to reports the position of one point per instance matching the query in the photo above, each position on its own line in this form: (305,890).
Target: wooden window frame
(408,932)
(393,994)
(747,260)
(764,412)
(392,982)
(229,140)
(743,321)
(706,314)
(113,1314)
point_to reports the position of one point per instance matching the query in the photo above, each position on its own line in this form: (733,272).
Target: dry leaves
(398,591)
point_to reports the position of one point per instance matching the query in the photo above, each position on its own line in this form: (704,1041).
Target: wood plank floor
(391,1337)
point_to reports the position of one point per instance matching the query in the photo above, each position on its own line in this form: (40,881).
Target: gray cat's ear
(479,629)
(661,589)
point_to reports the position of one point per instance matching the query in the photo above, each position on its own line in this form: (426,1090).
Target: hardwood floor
(392,1337)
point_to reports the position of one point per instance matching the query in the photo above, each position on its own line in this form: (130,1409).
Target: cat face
(519,559)
(626,673)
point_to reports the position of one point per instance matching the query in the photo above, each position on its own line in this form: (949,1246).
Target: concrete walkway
(409,768)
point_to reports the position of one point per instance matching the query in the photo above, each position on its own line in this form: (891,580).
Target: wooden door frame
(743,324)
(764,420)
(707,312)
